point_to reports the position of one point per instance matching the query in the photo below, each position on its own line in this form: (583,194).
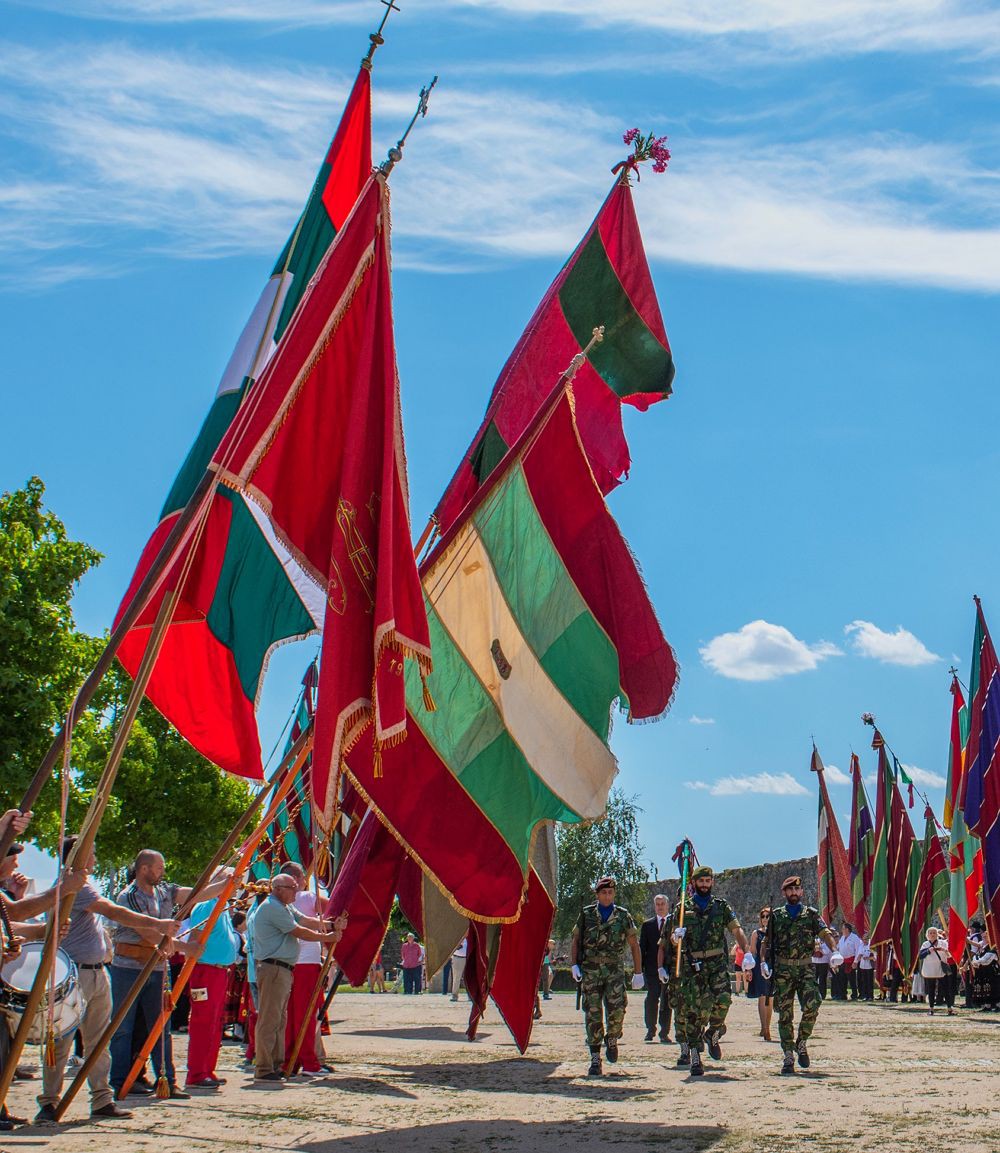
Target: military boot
(697,1068)
(612,1046)
(712,1041)
(789,1063)
(803,1054)
(596,1068)
(684,1057)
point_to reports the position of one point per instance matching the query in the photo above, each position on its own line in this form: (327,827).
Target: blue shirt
(223,944)
(272,932)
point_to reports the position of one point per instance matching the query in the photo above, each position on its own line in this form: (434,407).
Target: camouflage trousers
(791,981)
(604,1001)
(701,999)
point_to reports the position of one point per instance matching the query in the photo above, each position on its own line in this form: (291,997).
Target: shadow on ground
(417,1033)
(501,1136)
(519,1075)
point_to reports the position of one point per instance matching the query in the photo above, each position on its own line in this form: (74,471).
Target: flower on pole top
(643,148)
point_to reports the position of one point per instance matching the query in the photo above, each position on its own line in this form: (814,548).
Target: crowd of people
(272,955)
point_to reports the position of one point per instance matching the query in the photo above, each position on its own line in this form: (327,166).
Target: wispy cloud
(769,784)
(696,720)
(898,648)
(761,651)
(194,156)
(783,27)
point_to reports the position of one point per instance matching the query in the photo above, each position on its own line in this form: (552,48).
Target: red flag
(320,448)
(241,594)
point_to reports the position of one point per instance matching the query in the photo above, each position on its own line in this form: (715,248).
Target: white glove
(638,981)
(748,962)
(663,975)
(765,970)
(679,933)
(836,960)
(577,975)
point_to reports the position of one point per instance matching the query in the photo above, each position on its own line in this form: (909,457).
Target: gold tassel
(162,1087)
(377,766)
(50,1048)
(429,704)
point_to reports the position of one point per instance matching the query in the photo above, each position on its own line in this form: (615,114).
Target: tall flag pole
(244,590)
(981,792)
(931,893)
(965,855)
(862,847)
(833,875)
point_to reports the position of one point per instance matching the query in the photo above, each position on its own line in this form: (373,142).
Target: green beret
(703,871)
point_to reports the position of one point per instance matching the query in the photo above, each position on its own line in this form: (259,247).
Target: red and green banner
(833,873)
(896,865)
(527,665)
(320,448)
(965,856)
(862,847)
(243,592)
(606,282)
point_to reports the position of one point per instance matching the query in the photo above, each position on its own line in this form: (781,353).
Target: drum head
(19,973)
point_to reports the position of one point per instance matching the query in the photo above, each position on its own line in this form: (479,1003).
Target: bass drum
(16,979)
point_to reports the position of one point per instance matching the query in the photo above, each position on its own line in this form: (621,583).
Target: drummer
(84,942)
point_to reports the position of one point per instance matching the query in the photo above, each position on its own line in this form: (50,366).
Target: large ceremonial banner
(862,847)
(931,894)
(896,865)
(319,448)
(833,873)
(965,857)
(606,281)
(527,665)
(981,799)
(243,591)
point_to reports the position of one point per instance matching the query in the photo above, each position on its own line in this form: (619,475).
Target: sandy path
(885,1079)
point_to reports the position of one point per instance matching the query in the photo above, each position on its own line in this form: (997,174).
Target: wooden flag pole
(176,538)
(85,841)
(246,855)
(90,1058)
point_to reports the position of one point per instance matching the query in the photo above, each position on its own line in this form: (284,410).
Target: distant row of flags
(888,882)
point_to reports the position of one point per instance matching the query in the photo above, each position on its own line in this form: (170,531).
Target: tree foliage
(588,852)
(166,796)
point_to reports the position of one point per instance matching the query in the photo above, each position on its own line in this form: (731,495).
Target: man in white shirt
(657,1006)
(821,965)
(310,902)
(848,947)
(866,972)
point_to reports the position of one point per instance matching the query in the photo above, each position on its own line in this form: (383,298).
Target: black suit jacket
(649,942)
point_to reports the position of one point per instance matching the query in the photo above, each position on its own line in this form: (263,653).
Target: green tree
(43,658)
(166,796)
(588,852)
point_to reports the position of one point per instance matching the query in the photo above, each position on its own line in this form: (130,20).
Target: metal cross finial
(953,671)
(376,37)
(396,153)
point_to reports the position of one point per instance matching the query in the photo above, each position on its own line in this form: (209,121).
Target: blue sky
(812,508)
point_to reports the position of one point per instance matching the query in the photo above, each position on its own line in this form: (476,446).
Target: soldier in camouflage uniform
(791,934)
(701,996)
(596,953)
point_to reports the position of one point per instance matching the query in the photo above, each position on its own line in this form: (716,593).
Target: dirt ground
(884,1079)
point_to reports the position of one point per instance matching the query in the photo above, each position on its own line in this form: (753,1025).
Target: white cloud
(696,720)
(835,776)
(770,784)
(924,777)
(761,651)
(898,648)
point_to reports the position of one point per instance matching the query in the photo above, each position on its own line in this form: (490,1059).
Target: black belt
(99,965)
(280,964)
